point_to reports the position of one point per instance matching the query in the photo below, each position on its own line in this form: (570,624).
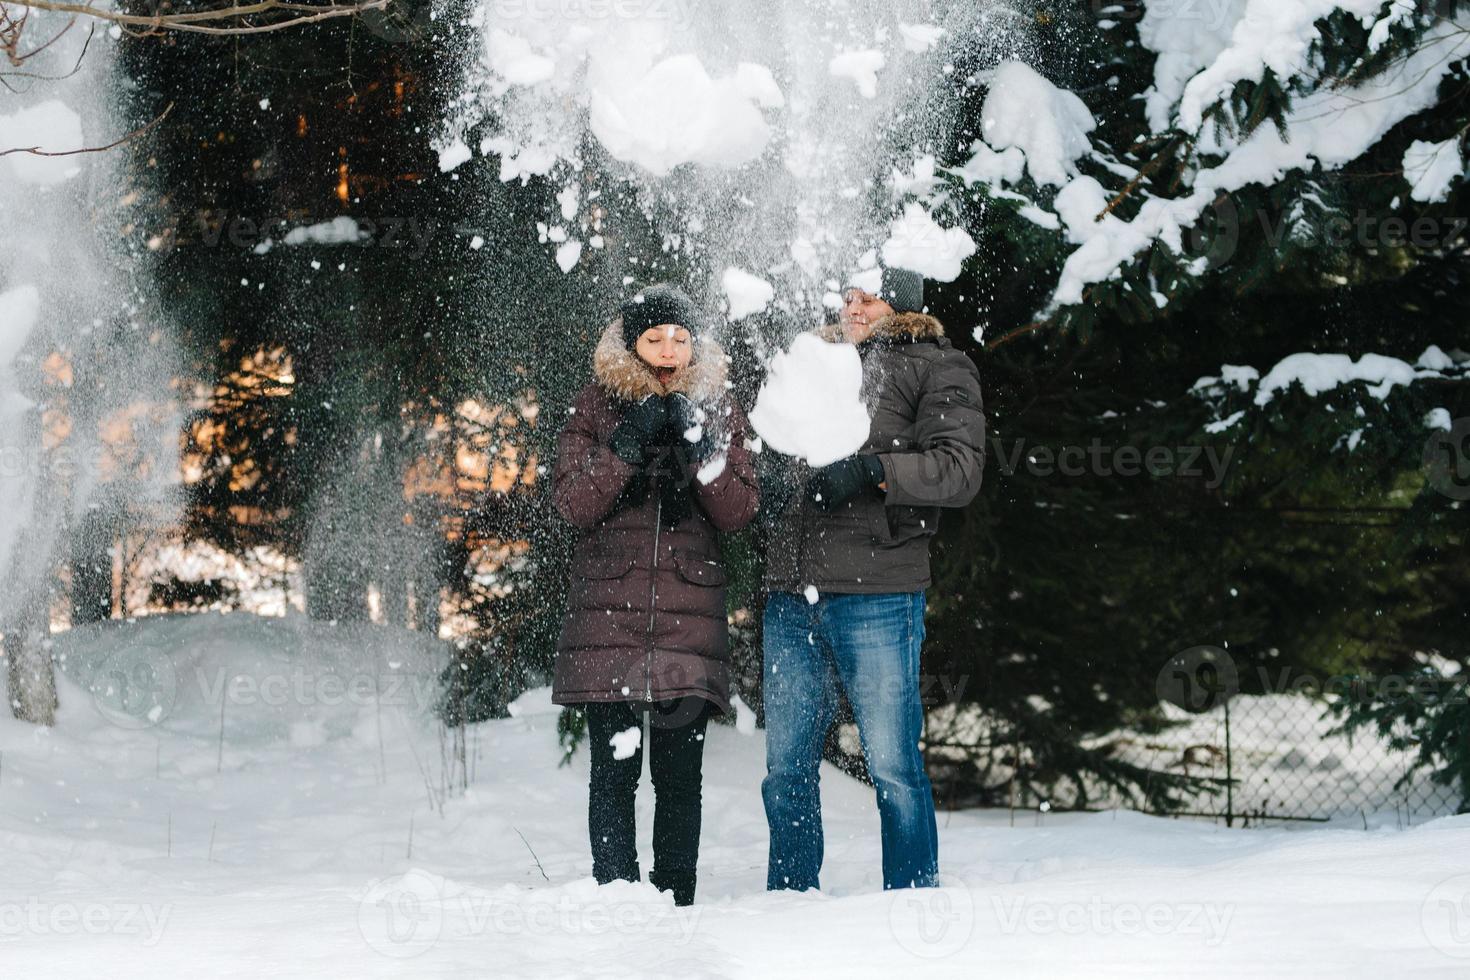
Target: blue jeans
(870,645)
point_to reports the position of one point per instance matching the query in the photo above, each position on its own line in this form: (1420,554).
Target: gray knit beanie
(903,289)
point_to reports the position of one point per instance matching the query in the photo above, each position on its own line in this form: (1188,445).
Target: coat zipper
(658,519)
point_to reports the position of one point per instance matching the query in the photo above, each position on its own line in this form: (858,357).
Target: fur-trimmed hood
(895,327)
(622,374)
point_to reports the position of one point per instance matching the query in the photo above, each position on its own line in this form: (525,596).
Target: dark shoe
(681,883)
(605,875)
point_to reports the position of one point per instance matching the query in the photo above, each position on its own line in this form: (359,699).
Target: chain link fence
(1276,757)
(1252,758)
(1256,743)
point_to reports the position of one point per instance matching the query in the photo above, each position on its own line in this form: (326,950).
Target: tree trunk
(91,568)
(426,603)
(31,676)
(25,591)
(393,591)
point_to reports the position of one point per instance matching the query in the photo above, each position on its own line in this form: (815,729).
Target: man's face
(860,310)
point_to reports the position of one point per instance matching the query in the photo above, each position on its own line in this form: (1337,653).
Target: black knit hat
(662,303)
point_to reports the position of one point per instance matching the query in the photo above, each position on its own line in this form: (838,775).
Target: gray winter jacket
(928,429)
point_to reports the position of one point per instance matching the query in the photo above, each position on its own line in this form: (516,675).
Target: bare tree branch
(91,31)
(199,22)
(36,150)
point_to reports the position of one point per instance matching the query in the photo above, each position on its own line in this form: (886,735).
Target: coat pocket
(903,522)
(699,571)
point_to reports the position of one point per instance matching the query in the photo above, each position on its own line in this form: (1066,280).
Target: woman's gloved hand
(640,428)
(684,418)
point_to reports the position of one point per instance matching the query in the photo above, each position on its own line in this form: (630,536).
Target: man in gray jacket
(846,569)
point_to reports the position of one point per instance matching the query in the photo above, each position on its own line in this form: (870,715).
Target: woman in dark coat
(652,464)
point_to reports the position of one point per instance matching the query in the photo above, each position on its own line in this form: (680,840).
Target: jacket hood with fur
(896,327)
(623,374)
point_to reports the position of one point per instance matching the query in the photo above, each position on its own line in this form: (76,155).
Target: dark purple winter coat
(646,614)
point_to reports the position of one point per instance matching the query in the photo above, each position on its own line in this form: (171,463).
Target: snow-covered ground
(138,846)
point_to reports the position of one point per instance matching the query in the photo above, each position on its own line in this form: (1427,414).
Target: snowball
(453,155)
(812,595)
(567,198)
(1047,124)
(626,742)
(1430,168)
(917,242)
(51,126)
(747,293)
(860,66)
(810,405)
(675,114)
(567,255)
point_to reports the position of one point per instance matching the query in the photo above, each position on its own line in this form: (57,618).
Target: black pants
(676,756)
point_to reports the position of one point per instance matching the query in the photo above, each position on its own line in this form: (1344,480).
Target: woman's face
(666,348)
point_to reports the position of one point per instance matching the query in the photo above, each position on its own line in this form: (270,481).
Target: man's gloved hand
(839,482)
(684,416)
(640,427)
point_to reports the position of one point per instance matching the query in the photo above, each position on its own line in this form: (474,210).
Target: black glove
(839,482)
(641,426)
(683,416)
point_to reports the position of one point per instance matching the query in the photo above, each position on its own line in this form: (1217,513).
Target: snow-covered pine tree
(1168,206)
(1176,146)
